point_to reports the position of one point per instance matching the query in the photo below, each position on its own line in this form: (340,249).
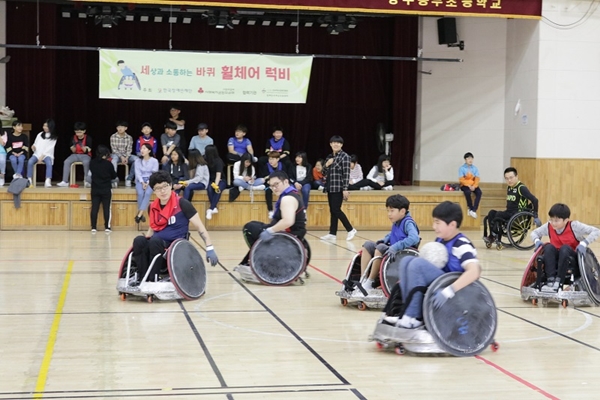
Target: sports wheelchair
(388,278)
(581,285)
(462,327)
(516,230)
(183,278)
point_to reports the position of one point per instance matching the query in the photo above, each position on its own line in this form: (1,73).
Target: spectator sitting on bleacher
(81,147)
(279,144)
(238,145)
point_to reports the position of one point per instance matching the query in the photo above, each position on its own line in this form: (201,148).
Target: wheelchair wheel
(466,325)
(590,273)
(279,261)
(518,228)
(124,262)
(308,251)
(186,269)
(389,271)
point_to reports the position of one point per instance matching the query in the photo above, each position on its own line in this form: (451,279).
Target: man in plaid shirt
(121,145)
(337,171)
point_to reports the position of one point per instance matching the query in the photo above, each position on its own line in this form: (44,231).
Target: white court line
(585,325)
(287,335)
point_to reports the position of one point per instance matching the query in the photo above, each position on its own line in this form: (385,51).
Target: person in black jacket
(103,173)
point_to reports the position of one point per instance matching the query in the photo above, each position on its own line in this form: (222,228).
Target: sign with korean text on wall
(182,76)
(483,8)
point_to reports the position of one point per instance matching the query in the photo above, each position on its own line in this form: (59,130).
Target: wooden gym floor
(66,334)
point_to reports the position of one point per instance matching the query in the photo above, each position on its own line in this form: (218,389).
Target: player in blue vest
(169,218)
(404,234)
(418,272)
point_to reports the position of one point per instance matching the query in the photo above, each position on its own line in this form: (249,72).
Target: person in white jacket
(383,173)
(245,177)
(381,176)
(43,151)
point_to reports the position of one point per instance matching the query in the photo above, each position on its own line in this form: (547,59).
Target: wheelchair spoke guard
(186,269)
(279,261)
(466,324)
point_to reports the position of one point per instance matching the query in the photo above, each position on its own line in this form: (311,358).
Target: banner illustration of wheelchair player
(129,80)
(119,74)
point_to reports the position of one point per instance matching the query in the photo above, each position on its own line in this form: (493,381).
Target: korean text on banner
(182,76)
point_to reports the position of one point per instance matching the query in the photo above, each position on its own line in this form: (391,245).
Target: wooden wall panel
(35,216)
(365,210)
(569,181)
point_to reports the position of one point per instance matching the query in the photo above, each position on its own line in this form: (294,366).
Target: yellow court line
(43,373)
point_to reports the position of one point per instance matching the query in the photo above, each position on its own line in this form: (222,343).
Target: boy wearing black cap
(200,141)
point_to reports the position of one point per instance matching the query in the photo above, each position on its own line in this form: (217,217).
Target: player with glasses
(169,218)
(288,216)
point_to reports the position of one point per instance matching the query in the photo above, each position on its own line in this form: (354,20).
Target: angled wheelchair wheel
(533,268)
(590,274)
(124,262)
(389,273)
(308,250)
(465,325)
(279,261)
(186,269)
(518,228)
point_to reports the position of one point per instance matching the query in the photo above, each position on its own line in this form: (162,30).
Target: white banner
(167,75)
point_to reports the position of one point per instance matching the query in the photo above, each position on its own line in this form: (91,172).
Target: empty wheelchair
(514,232)
(581,285)
(183,278)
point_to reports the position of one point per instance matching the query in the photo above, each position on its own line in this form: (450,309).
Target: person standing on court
(337,174)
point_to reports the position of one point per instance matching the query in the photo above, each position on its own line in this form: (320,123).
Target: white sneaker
(240,188)
(108,230)
(270,214)
(472,214)
(320,189)
(258,187)
(209,214)
(94,231)
(391,320)
(351,234)
(115,185)
(215,210)
(329,236)
(30,181)
(87,185)
(1,181)
(368,188)
(127,183)
(408,322)
(15,176)
(48,183)
(388,187)
(62,184)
